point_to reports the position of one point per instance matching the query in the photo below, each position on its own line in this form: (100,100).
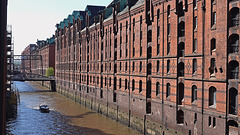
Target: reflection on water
(65,117)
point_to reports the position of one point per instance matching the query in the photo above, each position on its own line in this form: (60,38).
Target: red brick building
(162,67)
(45,48)
(25,63)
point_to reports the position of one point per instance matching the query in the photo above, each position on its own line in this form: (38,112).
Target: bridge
(25,74)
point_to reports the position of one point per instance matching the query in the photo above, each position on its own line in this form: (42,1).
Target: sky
(34,20)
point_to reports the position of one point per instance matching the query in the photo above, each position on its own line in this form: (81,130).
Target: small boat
(44,108)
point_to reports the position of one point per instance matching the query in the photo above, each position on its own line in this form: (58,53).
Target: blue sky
(36,19)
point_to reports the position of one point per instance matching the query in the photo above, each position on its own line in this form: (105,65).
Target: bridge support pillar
(53,85)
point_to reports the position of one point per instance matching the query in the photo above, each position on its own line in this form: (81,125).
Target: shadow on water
(65,117)
(82,115)
(37,123)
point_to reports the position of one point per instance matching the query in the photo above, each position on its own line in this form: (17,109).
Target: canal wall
(122,110)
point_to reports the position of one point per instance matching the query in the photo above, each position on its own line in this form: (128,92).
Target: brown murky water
(65,117)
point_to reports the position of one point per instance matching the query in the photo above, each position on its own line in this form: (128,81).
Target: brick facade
(173,64)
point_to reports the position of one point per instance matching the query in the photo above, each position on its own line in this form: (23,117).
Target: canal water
(66,116)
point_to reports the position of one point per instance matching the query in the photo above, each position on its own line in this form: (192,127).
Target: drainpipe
(163,67)
(3,62)
(203,58)
(129,60)
(227,79)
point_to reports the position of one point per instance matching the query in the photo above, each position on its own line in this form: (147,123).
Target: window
(194,66)
(214,122)
(125,84)
(110,82)
(133,66)
(120,83)
(181,69)
(168,29)
(181,49)
(195,45)
(158,14)
(168,92)
(194,93)
(114,96)
(115,83)
(195,23)
(212,67)
(234,43)
(168,11)
(212,96)
(209,121)
(194,4)
(233,98)
(168,48)
(105,81)
(133,85)
(120,66)
(195,118)
(168,66)
(158,66)
(234,17)
(140,66)
(180,117)
(234,69)
(181,29)
(180,93)
(213,45)
(158,49)
(214,18)
(125,66)
(157,88)
(140,86)
(232,127)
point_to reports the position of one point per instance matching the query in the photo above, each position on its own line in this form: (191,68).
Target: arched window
(212,96)
(234,17)
(133,85)
(195,45)
(181,29)
(181,49)
(213,45)
(158,66)
(214,18)
(233,98)
(233,69)
(133,66)
(125,66)
(125,84)
(140,66)
(120,83)
(115,83)
(105,81)
(168,66)
(234,43)
(180,117)
(110,82)
(168,92)
(194,93)
(194,66)
(232,127)
(140,86)
(180,93)
(181,69)
(157,88)
(212,67)
(168,48)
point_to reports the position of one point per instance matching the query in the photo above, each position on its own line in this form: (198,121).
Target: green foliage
(50,72)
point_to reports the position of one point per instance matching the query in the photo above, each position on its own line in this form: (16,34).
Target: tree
(50,72)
